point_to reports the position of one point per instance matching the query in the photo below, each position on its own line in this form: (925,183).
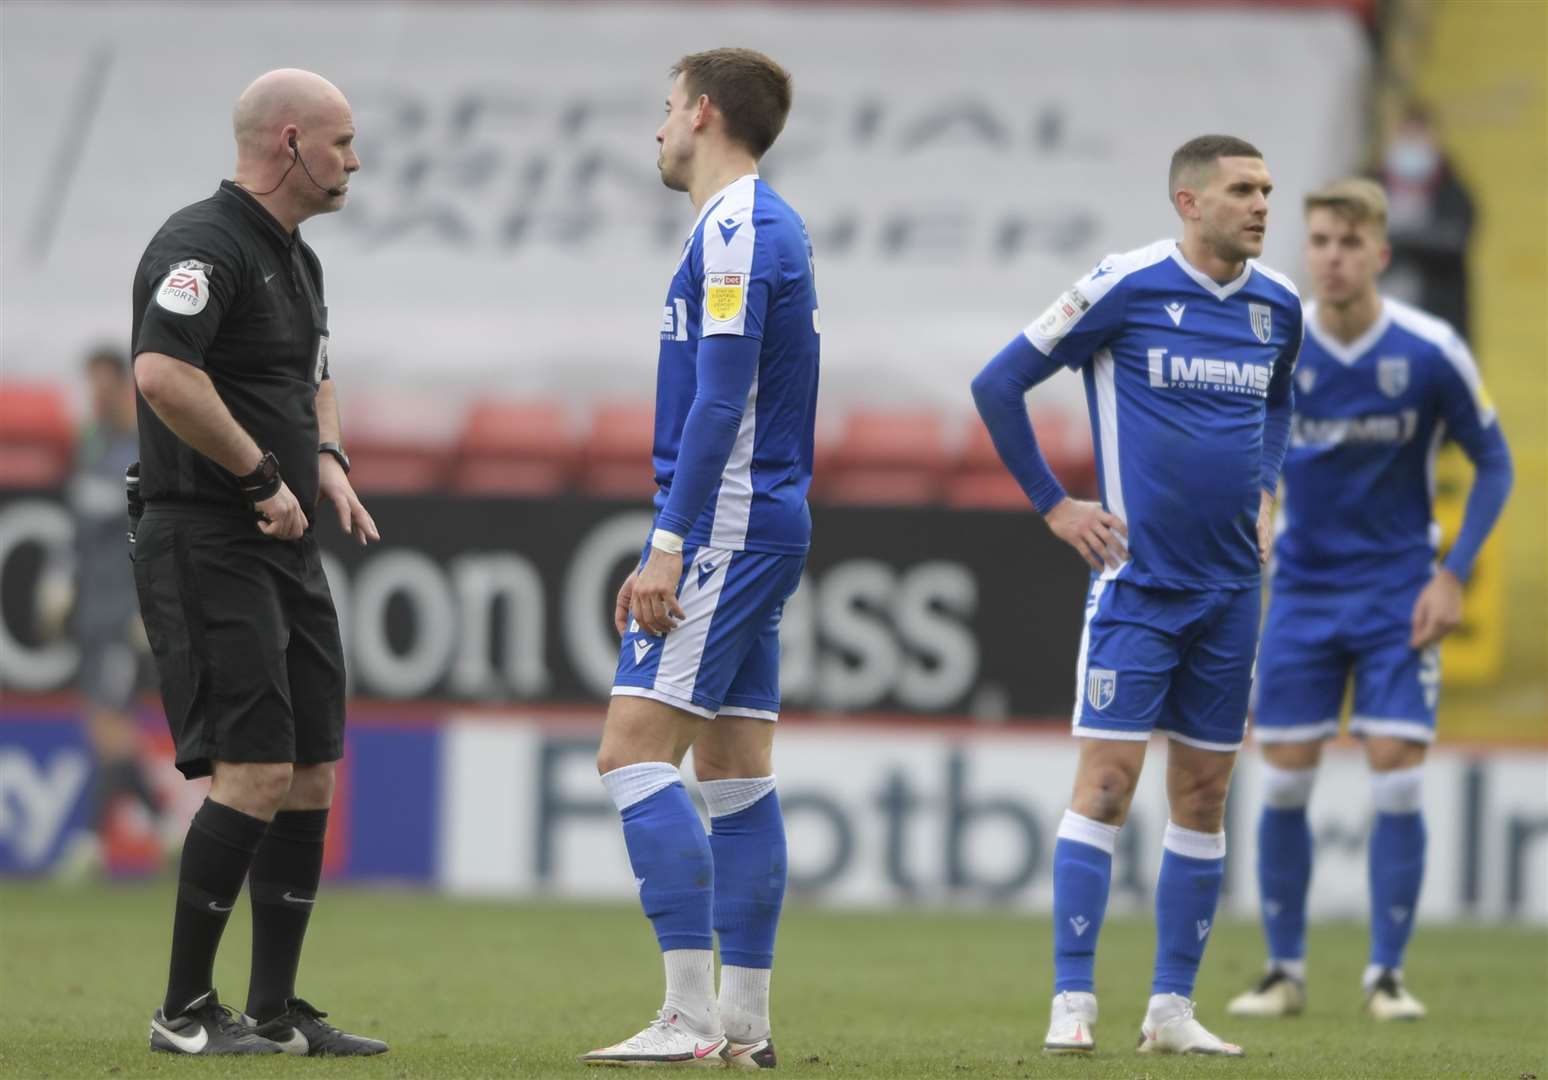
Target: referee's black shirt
(223,287)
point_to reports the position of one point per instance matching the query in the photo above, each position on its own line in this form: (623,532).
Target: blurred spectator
(89,590)
(1430,221)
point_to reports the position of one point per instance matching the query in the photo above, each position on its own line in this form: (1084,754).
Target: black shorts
(245,637)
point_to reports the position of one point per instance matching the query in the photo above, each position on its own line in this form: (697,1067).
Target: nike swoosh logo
(188,1044)
(704,1052)
(295,1044)
(749,1048)
(298,899)
(268,276)
(216,907)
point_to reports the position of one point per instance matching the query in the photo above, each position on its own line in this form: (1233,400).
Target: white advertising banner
(879,816)
(509,232)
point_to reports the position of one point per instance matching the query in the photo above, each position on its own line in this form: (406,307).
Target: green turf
(515,990)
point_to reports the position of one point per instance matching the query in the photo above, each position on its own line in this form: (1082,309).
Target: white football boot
(664,1042)
(1389,999)
(1170,1028)
(1072,1024)
(1277,994)
(753,1055)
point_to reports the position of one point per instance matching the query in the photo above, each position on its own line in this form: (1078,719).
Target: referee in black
(239,445)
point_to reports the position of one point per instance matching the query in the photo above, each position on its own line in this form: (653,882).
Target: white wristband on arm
(668,542)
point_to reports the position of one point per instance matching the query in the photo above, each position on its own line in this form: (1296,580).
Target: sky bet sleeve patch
(186,288)
(723,295)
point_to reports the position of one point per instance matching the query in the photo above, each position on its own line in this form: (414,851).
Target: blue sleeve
(1280,407)
(1491,486)
(726,366)
(1470,418)
(1084,317)
(999,391)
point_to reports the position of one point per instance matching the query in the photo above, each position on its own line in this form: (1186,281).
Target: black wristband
(263,482)
(338,454)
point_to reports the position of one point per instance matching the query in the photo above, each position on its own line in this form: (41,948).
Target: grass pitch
(466,989)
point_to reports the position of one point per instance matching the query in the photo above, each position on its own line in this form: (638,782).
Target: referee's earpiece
(293,151)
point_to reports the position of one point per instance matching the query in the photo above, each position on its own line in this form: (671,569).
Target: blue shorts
(1166,660)
(1314,640)
(723,658)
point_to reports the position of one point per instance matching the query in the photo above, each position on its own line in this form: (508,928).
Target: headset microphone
(296,155)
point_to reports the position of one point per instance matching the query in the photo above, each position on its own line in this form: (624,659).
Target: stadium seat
(397,446)
(885,458)
(617,453)
(37,437)
(515,448)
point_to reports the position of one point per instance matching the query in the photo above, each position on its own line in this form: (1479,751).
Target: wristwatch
(263,482)
(338,453)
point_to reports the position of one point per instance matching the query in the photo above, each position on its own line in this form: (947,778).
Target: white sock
(690,989)
(744,1002)
(1296,969)
(1373,973)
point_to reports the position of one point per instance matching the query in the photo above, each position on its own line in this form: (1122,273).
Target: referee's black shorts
(245,637)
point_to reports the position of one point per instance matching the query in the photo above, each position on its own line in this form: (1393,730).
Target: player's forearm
(185,400)
(726,367)
(999,392)
(1491,487)
(328,426)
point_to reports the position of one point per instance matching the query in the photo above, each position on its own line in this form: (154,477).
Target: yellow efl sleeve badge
(723,295)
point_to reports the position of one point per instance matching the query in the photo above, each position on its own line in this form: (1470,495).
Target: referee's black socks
(216,855)
(283,884)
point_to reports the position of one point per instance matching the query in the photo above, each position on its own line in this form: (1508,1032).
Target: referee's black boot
(300,1029)
(206,1028)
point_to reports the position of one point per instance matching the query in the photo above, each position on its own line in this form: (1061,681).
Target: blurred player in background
(1355,589)
(736,399)
(1187,350)
(91,587)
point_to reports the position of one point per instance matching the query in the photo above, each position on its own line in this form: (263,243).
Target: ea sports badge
(723,295)
(186,288)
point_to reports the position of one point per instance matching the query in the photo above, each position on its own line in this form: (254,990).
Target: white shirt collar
(1348,354)
(1209,284)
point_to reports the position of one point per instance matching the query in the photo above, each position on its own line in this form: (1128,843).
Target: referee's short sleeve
(194,276)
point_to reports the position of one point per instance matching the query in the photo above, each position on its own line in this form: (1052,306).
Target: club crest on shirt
(1262,318)
(723,295)
(186,288)
(1392,375)
(1101,687)
(1306,378)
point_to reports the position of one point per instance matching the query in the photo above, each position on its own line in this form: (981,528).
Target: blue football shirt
(1178,371)
(1359,473)
(746,269)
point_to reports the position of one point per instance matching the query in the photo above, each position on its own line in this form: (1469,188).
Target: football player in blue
(1356,590)
(1187,350)
(736,400)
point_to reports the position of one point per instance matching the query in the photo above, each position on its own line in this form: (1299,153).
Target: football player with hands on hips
(239,445)
(1186,349)
(1356,591)
(698,666)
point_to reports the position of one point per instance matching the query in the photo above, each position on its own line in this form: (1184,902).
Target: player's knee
(1398,791)
(1198,800)
(257,789)
(1104,793)
(1387,755)
(311,786)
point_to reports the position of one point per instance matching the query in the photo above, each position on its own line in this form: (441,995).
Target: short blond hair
(1355,199)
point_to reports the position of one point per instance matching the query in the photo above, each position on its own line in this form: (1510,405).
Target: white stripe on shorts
(683,651)
(1094,599)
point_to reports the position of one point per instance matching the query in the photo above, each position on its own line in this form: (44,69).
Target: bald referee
(239,446)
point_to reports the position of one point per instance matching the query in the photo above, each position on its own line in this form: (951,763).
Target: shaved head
(277,99)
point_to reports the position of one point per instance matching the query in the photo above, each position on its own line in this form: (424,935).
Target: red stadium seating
(617,455)
(37,437)
(516,448)
(885,458)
